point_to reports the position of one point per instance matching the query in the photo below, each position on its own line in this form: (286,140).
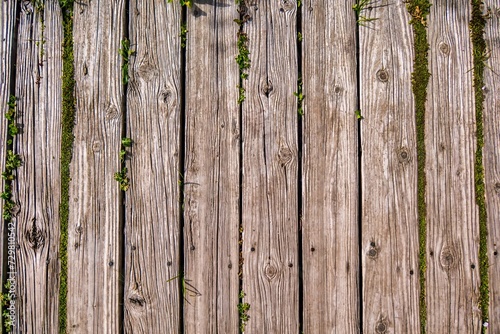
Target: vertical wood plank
(491,158)
(390,245)
(39,92)
(94,228)
(211,179)
(330,164)
(269,190)
(452,215)
(7,35)
(152,202)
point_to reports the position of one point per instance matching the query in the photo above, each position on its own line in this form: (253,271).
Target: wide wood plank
(491,158)
(7,31)
(152,202)
(270,160)
(452,215)
(95,232)
(211,176)
(39,93)
(390,245)
(330,169)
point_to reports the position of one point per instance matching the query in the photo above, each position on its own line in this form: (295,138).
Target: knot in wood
(403,155)
(166,97)
(447,258)
(382,75)
(444,48)
(112,113)
(137,299)
(271,271)
(267,88)
(96,146)
(287,5)
(373,252)
(148,70)
(35,236)
(381,327)
(337,90)
(284,156)
(497,188)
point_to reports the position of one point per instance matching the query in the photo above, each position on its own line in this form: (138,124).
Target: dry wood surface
(491,157)
(452,215)
(212,170)
(388,173)
(95,222)
(38,92)
(330,169)
(270,175)
(152,249)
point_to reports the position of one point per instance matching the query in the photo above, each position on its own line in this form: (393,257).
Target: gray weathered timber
(452,216)
(389,244)
(270,161)
(212,169)
(94,229)
(152,304)
(330,169)
(7,19)
(491,159)
(39,89)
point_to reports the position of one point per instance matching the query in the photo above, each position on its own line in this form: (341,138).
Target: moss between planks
(419,9)
(477,25)
(68,120)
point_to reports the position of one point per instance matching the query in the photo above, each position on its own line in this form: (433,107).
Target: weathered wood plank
(152,202)
(270,160)
(39,93)
(491,158)
(330,164)
(452,215)
(7,58)
(211,179)
(94,228)
(390,244)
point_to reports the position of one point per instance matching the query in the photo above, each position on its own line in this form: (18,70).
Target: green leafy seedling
(359,7)
(187,288)
(300,97)
(126,53)
(243,309)
(127,142)
(358,114)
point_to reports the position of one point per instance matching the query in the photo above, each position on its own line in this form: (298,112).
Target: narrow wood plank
(211,176)
(94,228)
(452,215)
(390,245)
(330,165)
(152,202)
(270,160)
(7,31)
(491,158)
(39,93)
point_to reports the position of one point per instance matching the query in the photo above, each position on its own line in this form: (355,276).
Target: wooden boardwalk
(294,166)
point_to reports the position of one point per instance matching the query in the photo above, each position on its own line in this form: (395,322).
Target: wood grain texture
(452,214)
(95,234)
(152,202)
(390,245)
(270,178)
(491,158)
(39,93)
(7,35)
(211,176)
(330,169)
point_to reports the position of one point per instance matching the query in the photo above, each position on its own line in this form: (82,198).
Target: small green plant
(5,300)
(243,57)
(299,36)
(299,3)
(184,32)
(243,309)
(187,3)
(358,8)
(358,114)
(187,288)
(300,97)
(121,176)
(126,53)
